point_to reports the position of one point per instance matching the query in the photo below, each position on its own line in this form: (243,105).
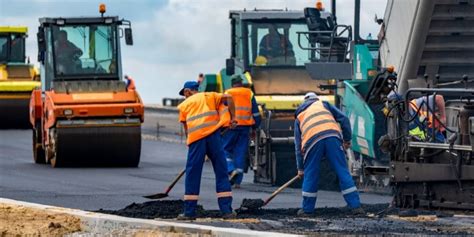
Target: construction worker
(318,134)
(421,128)
(275,47)
(236,141)
(68,54)
(199,113)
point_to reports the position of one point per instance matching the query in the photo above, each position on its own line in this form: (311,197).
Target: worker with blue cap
(199,114)
(322,130)
(236,141)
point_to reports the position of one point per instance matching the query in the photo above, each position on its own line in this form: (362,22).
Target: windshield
(12,48)
(81,50)
(276,44)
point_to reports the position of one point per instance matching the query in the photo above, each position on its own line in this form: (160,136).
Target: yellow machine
(18,78)
(266,49)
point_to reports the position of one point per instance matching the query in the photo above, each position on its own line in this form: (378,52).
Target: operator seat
(316,21)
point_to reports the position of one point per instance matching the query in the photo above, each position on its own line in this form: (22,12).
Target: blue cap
(189,85)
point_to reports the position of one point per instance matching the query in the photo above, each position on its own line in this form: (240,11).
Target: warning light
(102,8)
(390,69)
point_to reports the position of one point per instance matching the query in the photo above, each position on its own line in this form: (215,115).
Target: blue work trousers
(236,144)
(332,149)
(212,147)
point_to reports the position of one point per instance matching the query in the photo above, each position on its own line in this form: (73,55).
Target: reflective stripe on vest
(314,120)
(201,115)
(422,114)
(243,105)
(210,113)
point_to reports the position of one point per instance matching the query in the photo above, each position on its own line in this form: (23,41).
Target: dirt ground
(380,219)
(22,221)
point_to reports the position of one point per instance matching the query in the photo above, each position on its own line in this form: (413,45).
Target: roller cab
(85,114)
(17,78)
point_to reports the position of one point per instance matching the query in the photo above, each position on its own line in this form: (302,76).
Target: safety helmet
(260,60)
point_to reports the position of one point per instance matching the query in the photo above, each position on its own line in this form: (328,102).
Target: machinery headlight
(67,112)
(372,73)
(128,110)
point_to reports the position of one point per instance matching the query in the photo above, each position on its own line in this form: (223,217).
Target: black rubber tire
(39,156)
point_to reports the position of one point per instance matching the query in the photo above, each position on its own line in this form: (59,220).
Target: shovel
(168,189)
(259,203)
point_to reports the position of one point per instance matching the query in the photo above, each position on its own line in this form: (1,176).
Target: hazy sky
(174,40)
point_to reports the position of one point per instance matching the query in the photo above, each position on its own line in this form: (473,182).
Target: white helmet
(310,95)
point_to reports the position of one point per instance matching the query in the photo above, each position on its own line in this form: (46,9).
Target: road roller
(17,77)
(85,114)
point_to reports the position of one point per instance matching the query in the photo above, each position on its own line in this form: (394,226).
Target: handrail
(346,29)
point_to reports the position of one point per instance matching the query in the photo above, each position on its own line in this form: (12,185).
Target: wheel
(38,151)
(51,152)
(55,162)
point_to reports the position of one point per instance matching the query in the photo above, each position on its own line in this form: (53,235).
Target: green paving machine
(356,72)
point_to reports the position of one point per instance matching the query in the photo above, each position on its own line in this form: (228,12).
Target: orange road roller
(85,114)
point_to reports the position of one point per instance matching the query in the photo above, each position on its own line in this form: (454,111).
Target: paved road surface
(114,188)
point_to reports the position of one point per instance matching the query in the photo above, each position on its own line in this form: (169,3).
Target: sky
(174,40)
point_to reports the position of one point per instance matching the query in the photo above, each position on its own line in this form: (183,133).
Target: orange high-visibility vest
(316,119)
(201,115)
(422,114)
(243,105)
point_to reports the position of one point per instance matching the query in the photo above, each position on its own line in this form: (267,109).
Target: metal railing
(339,31)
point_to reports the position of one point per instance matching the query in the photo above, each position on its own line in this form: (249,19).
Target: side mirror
(128,36)
(41,43)
(229,66)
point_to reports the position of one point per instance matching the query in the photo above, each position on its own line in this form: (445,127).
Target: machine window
(276,44)
(3,48)
(12,48)
(85,50)
(238,40)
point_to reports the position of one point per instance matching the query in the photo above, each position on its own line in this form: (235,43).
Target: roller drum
(14,113)
(111,146)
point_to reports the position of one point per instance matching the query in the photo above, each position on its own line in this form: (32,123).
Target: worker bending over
(200,116)
(236,141)
(318,134)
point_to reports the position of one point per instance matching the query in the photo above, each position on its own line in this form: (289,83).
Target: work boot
(358,211)
(182,217)
(301,213)
(230,215)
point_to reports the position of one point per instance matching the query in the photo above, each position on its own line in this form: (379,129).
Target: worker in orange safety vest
(236,141)
(199,113)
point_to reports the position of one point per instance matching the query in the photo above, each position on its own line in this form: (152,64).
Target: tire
(38,151)
(52,153)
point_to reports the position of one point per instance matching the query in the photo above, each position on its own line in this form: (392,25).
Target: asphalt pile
(326,221)
(169,209)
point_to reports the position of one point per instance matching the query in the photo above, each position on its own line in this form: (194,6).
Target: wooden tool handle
(281,189)
(175,180)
